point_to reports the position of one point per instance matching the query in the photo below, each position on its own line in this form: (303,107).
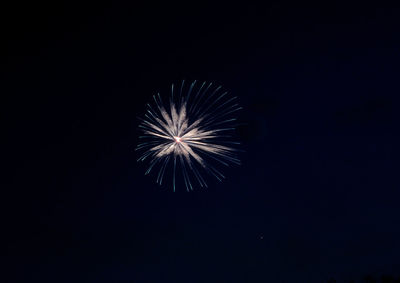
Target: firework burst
(191,134)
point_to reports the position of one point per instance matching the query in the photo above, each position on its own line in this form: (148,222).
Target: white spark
(189,131)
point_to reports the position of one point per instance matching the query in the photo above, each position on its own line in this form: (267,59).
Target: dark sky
(317,195)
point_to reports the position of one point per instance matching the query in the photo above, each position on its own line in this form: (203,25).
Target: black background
(317,195)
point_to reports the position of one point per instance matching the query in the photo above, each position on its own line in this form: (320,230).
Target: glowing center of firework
(177,139)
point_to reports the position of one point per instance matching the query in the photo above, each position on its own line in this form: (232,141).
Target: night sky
(316,196)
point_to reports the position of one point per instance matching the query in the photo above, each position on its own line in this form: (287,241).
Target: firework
(191,134)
